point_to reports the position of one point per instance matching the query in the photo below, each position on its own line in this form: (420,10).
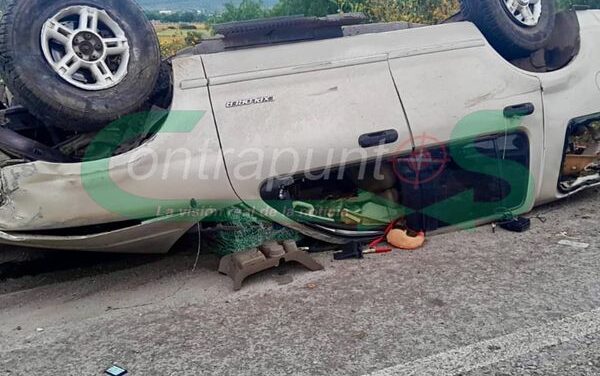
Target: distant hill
(206,5)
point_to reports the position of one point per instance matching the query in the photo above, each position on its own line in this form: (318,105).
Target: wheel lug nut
(98,47)
(87,36)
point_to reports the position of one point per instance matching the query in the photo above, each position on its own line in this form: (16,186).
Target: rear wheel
(78,64)
(514,27)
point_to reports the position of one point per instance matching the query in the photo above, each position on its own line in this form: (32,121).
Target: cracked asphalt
(470,303)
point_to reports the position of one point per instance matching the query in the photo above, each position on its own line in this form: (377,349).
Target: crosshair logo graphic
(424,164)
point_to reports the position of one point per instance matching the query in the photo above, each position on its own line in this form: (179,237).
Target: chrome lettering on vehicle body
(247,102)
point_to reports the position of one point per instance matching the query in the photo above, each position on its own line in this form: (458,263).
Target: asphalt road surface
(469,303)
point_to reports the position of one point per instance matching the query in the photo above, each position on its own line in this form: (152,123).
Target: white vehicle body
(291,105)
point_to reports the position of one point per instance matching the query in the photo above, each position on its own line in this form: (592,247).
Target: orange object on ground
(400,239)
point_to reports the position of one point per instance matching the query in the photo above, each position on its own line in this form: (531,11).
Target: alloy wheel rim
(524,12)
(86,47)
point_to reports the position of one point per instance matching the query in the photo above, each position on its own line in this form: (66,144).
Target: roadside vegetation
(176,36)
(429,11)
(173,36)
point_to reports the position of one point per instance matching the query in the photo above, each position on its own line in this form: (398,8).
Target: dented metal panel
(177,166)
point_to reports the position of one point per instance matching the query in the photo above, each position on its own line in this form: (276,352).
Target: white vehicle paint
(322,96)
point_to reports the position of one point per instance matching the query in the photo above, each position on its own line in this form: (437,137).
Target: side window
(581,159)
(431,188)
(467,181)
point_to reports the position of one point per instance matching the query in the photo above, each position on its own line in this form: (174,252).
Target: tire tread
(509,39)
(54,112)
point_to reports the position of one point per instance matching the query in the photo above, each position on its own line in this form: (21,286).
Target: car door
(317,113)
(465,104)
(572,102)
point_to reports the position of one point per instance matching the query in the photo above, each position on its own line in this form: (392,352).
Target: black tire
(505,34)
(55,101)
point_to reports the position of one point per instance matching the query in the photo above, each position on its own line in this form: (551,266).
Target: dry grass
(172,36)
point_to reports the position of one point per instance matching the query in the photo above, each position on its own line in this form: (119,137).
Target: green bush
(422,11)
(193,38)
(566,4)
(247,10)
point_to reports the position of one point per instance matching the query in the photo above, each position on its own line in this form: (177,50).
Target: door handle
(519,110)
(378,138)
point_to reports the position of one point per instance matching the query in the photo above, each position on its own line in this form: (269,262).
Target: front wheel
(515,28)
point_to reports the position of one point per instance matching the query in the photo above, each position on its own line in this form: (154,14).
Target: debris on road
(396,237)
(402,240)
(241,265)
(356,250)
(243,230)
(519,224)
(570,243)
(116,371)
(352,250)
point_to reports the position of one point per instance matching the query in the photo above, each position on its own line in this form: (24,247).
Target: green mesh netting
(245,230)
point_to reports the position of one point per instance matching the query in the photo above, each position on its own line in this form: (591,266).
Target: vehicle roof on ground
(341,49)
